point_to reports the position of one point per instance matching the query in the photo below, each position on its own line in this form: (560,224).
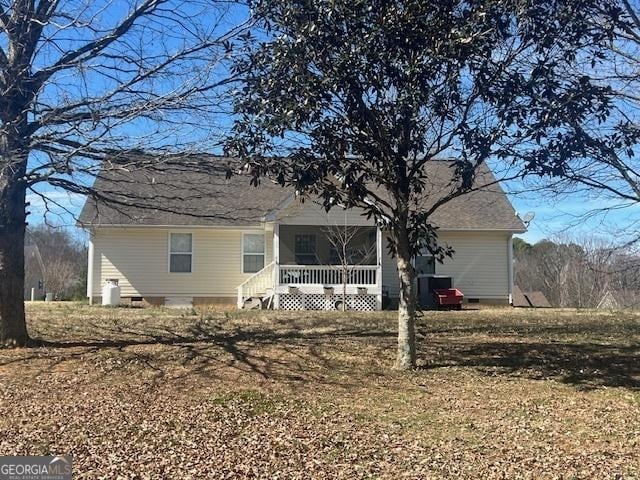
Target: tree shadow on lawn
(322,349)
(211,350)
(584,365)
(553,332)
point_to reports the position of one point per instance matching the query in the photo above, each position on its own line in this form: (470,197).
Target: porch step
(259,301)
(252,303)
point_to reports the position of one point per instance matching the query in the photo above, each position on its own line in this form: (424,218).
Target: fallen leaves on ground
(155,393)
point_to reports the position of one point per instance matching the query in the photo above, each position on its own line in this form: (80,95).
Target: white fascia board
(505,230)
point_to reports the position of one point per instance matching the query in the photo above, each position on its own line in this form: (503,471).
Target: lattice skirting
(319,301)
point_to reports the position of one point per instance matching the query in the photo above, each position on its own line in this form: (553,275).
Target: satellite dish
(528,217)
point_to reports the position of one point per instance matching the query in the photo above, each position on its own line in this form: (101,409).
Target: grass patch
(251,401)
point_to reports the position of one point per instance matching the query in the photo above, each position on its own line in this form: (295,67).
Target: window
(425,264)
(373,237)
(180,252)
(334,257)
(305,249)
(252,252)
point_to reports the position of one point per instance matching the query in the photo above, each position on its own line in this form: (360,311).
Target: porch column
(276,265)
(379,267)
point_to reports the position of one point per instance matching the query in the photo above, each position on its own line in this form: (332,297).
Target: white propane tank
(111,293)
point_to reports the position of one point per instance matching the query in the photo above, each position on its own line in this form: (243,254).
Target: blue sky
(576,216)
(563,218)
(552,216)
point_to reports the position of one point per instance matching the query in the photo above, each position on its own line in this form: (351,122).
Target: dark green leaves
(368,91)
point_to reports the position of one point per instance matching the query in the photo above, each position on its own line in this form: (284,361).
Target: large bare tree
(80,81)
(604,174)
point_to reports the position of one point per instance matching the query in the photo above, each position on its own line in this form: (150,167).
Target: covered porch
(314,265)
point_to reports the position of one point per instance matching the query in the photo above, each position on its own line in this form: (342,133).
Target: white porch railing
(314,277)
(356,275)
(257,284)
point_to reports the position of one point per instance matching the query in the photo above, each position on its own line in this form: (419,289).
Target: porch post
(276,265)
(240,299)
(379,267)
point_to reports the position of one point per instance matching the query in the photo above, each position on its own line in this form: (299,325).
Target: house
(218,240)
(620,299)
(33,273)
(608,302)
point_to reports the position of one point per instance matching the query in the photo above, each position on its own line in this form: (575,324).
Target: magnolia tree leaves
(348,100)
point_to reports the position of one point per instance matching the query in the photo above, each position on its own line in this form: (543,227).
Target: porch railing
(327,275)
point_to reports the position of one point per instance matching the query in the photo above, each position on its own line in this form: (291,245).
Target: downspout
(90,269)
(510,267)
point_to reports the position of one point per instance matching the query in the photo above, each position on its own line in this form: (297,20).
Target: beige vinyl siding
(479,266)
(311,213)
(390,281)
(97,284)
(138,258)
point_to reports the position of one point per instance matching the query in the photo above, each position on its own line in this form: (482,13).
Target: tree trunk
(345,271)
(406,359)
(344,294)
(13,159)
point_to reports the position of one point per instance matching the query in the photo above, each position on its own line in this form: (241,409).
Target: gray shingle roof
(174,196)
(485,209)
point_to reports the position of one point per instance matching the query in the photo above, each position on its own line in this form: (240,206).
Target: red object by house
(448,298)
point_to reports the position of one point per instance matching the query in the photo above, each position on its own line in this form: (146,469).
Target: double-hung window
(180,252)
(252,252)
(305,249)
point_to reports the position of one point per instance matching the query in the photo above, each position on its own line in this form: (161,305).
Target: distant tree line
(64,258)
(578,272)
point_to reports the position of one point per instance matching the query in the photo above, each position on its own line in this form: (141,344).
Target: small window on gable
(252,252)
(180,252)
(425,264)
(305,249)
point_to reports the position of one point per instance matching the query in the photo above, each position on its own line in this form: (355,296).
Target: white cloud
(55,206)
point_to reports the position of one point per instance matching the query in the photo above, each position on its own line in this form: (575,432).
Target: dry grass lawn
(155,393)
